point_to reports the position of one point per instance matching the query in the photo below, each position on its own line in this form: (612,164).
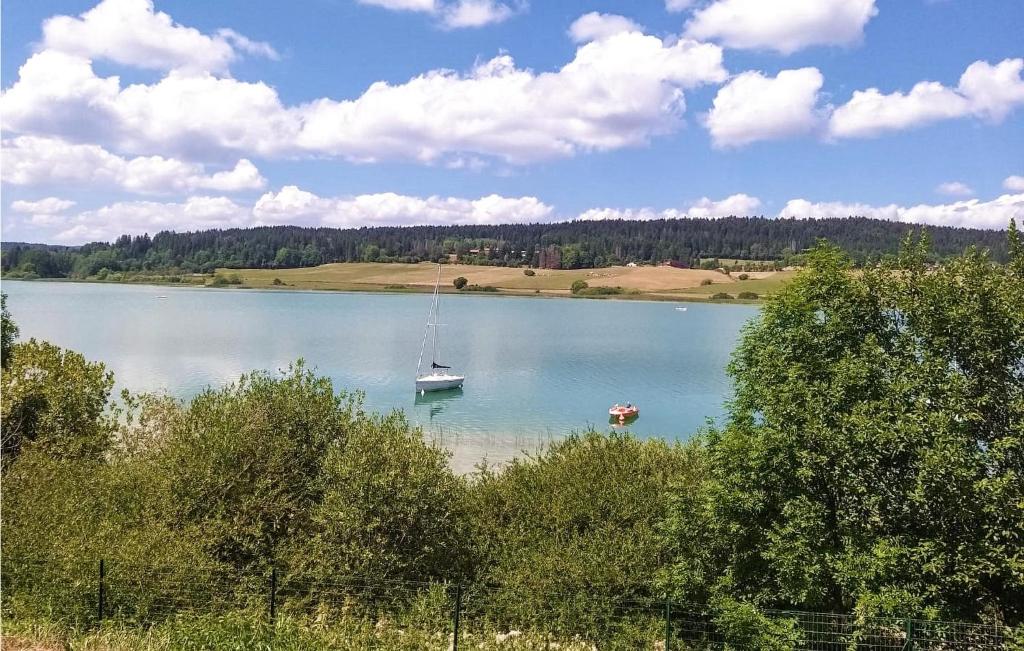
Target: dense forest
(568,245)
(869,470)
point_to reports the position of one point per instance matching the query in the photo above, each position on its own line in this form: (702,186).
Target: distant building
(631,264)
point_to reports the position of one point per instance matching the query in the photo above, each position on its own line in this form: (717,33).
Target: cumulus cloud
(290,205)
(132,33)
(593,26)
(294,205)
(675,6)
(740,205)
(1014,183)
(618,91)
(970,213)
(754,107)
(781,25)
(47,206)
(32,160)
(985,91)
(954,189)
(455,14)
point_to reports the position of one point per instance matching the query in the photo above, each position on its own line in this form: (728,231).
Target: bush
(743,276)
(600,291)
(721,296)
(278,282)
(459,282)
(706,282)
(749,296)
(529,272)
(480,288)
(578,286)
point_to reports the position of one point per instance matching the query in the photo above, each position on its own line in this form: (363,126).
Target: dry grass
(650,282)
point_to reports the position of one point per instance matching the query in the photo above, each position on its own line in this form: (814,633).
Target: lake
(537,368)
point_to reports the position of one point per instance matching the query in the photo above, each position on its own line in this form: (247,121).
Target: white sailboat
(440,376)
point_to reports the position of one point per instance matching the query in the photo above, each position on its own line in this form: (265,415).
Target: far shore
(647,283)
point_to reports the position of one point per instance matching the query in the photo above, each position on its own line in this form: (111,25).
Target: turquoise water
(536,368)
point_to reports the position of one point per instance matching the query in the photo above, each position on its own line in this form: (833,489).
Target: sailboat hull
(439,382)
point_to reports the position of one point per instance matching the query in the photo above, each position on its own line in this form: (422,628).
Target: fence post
(456,614)
(668,624)
(102,591)
(909,646)
(273,594)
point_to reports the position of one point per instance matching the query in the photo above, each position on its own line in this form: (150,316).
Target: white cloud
(594,26)
(781,25)
(754,107)
(475,13)
(1015,183)
(970,213)
(290,205)
(985,91)
(132,33)
(31,160)
(293,205)
(428,6)
(740,205)
(47,206)
(954,189)
(137,217)
(455,14)
(617,92)
(677,5)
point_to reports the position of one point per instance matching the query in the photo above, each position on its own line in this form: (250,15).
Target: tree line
(872,462)
(568,245)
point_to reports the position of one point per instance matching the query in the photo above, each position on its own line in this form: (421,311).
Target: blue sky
(121,116)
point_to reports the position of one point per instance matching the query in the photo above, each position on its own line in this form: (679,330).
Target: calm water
(536,368)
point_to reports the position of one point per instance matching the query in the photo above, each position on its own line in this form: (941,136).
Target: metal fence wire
(456,616)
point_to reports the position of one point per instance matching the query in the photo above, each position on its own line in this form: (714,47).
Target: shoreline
(650,297)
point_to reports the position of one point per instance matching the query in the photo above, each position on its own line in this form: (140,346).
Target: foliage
(8,333)
(874,453)
(529,272)
(744,627)
(479,288)
(567,245)
(600,291)
(706,282)
(578,286)
(460,282)
(743,276)
(721,296)
(749,296)
(579,518)
(53,401)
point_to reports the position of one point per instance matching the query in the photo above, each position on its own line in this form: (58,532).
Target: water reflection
(435,401)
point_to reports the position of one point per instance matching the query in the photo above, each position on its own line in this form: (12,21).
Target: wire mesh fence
(443,615)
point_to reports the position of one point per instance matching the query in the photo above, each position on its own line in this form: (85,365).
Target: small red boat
(624,412)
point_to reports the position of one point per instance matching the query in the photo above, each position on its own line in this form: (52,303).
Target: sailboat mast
(437,315)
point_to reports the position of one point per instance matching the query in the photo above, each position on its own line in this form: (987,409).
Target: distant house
(453,257)
(631,264)
(474,251)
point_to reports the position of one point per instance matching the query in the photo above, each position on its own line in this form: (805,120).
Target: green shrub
(529,272)
(743,276)
(278,282)
(706,282)
(479,288)
(721,296)
(459,282)
(749,296)
(600,291)
(578,286)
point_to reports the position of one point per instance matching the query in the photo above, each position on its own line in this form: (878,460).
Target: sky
(137,116)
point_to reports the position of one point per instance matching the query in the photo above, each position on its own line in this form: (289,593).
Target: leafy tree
(247,461)
(578,286)
(8,333)
(391,507)
(581,518)
(54,401)
(459,282)
(874,453)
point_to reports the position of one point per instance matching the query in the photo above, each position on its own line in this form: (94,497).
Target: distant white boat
(681,309)
(161,296)
(440,376)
